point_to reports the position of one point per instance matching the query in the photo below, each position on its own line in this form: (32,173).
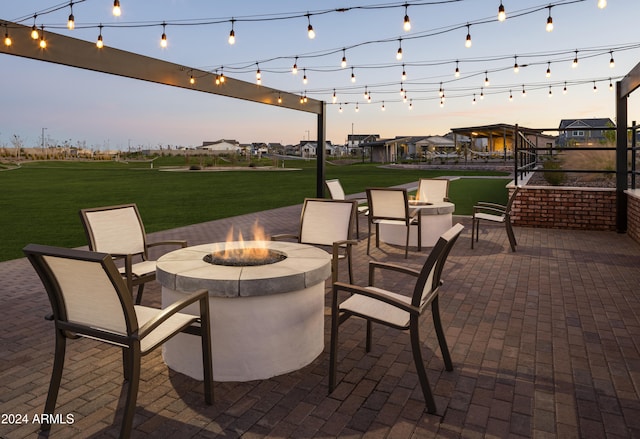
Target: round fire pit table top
(185,270)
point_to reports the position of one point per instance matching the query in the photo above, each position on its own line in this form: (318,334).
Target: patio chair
(391,206)
(397,310)
(89,298)
(432,190)
(337,193)
(496,213)
(119,231)
(327,222)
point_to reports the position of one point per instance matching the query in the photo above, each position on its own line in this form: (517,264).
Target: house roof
(495,130)
(604,122)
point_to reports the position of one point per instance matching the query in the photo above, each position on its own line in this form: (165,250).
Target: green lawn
(40,201)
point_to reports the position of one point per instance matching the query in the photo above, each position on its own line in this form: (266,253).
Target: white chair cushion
(376,309)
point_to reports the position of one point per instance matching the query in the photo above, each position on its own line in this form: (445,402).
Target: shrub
(553,178)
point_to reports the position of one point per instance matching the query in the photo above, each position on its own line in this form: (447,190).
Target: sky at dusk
(109,112)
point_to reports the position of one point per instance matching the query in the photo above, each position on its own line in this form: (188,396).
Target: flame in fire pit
(238,252)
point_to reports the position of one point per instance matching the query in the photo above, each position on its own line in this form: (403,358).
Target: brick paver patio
(545,343)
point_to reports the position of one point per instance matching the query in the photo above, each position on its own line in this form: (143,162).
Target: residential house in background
(584,132)
(222,146)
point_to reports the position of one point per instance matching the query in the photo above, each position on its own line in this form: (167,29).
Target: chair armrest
(171,310)
(283,236)
(492,205)
(489,209)
(180,242)
(354,289)
(393,267)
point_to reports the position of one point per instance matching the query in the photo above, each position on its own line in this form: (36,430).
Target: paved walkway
(545,343)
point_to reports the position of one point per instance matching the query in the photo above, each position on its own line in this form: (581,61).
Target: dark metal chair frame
(132,279)
(408,216)
(432,269)
(497,213)
(41,256)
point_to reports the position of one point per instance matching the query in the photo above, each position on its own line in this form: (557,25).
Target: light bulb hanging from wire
(524,92)
(486,79)
(549,26)
(232,34)
(612,63)
(564,90)
(574,64)
(334,98)
(595,89)
(343,63)
(71,23)
(457,72)
(610,85)
(294,69)
(399,53)
(467,42)
(258,74)
(548,69)
(550,92)
(481,93)
(602,4)
(510,96)
(404,73)
(516,68)
(163,38)
(99,42)
(501,13)
(43,42)
(353,76)
(406,25)
(410,104)
(310,32)
(304,77)
(116,11)
(34,30)
(7,38)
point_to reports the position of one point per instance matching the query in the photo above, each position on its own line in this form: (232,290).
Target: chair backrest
(512,198)
(388,203)
(325,221)
(430,275)
(114,229)
(433,189)
(335,189)
(86,291)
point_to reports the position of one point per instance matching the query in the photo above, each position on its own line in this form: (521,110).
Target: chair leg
(474,232)
(133,366)
(406,244)
(442,341)
(369,238)
(510,235)
(350,268)
(126,360)
(56,377)
(207,360)
(419,231)
(333,348)
(139,295)
(414,331)
(377,235)
(367,345)
(357,226)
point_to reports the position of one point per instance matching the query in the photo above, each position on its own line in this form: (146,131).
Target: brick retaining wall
(633,214)
(566,208)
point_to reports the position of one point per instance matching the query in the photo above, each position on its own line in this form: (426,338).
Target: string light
(116,8)
(441,102)
(467,42)
(457,72)
(486,80)
(232,34)
(549,26)
(402,90)
(304,78)
(501,14)
(34,29)
(163,38)
(550,92)
(258,74)
(516,68)
(610,85)
(564,90)
(99,42)
(357,107)
(595,89)
(43,42)
(399,53)
(524,92)
(279,98)
(221,77)
(7,38)
(382,108)
(407,23)
(71,23)
(339,109)
(510,96)
(481,93)
(548,69)
(574,64)
(441,91)
(294,69)
(366,95)
(410,104)
(343,63)
(474,99)
(353,76)
(192,80)
(404,73)
(334,97)
(310,32)
(612,63)
(602,4)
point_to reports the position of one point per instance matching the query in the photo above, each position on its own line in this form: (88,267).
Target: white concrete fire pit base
(437,218)
(266,320)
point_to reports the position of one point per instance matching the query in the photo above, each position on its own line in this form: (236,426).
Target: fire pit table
(437,218)
(266,320)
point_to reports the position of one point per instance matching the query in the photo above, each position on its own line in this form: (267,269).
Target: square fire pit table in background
(266,320)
